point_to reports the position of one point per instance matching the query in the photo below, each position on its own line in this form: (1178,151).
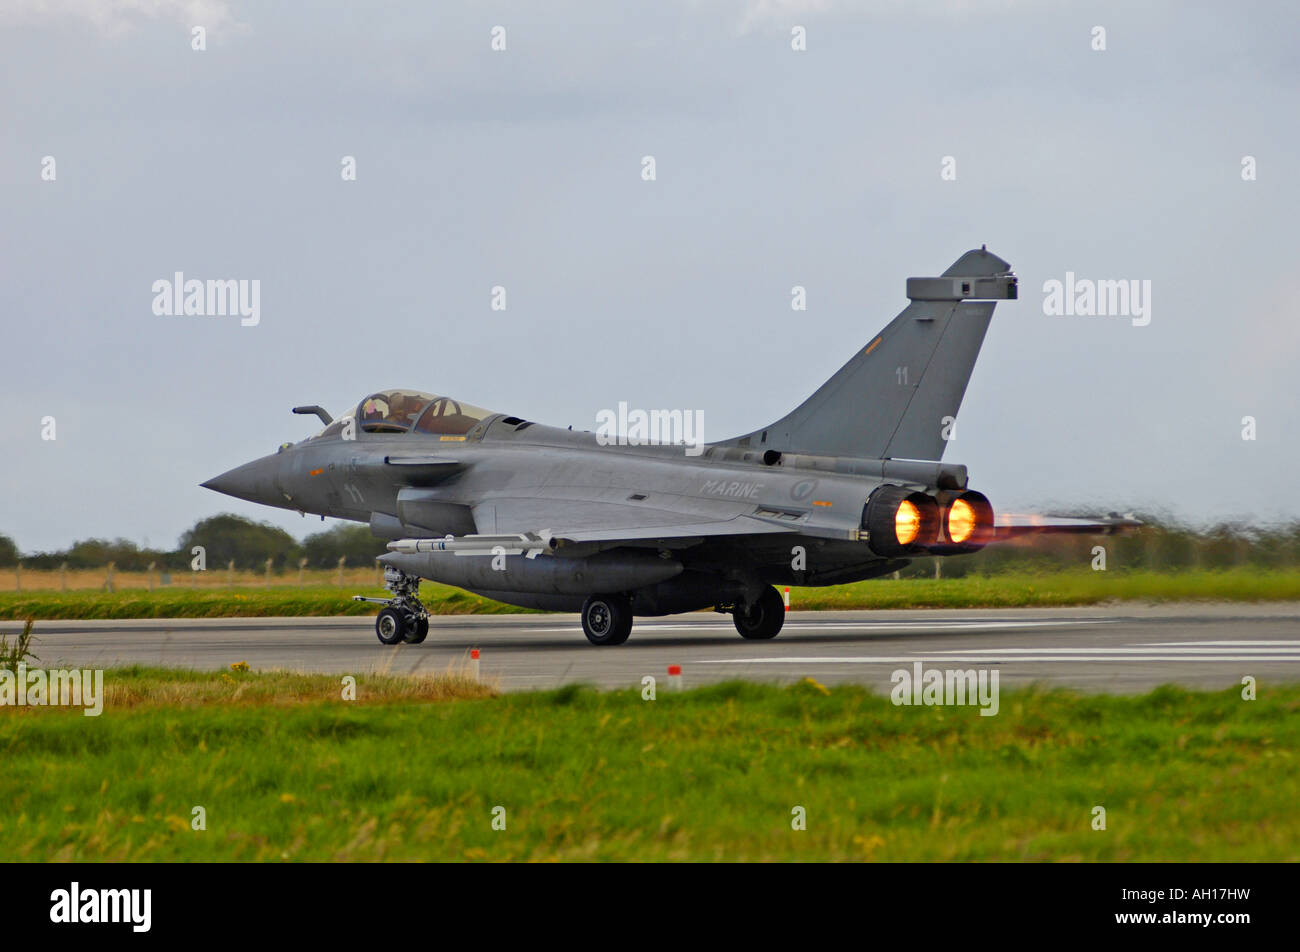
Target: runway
(1123,648)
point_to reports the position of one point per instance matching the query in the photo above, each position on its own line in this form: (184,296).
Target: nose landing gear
(404,619)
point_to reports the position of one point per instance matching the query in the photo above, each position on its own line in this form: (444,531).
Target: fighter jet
(847,486)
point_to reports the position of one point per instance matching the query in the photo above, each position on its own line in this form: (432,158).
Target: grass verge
(285,770)
(231,603)
(1023,590)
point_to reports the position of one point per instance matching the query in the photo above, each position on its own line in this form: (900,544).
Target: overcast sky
(523,169)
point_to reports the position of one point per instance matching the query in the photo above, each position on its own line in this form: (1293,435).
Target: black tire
(763,619)
(417,632)
(607,619)
(391,626)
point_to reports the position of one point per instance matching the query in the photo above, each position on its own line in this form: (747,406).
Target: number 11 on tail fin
(898,396)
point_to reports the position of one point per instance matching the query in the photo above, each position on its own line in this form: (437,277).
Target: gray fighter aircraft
(847,486)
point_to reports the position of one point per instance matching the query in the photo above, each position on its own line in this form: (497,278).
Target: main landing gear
(404,618)
(761,619)
(607,619)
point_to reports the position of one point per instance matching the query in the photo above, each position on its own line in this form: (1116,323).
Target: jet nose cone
(253,481)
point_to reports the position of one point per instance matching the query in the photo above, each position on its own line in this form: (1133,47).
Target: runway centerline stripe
(1222,644)
(1037,659)
(1294,647)
(908,627)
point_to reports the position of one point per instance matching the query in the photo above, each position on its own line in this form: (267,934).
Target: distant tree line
(223,538)
(1161,545)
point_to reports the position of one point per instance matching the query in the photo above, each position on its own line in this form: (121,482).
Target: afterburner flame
(907,522)
(961,521)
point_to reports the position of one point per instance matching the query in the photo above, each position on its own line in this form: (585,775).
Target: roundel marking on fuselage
(803,489)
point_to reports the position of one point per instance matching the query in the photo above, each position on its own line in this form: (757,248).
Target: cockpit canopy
(391,411)
(402,411)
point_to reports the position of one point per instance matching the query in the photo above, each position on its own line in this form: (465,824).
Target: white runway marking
(900,626)
(1024,659)
(914,626)
(1223,644)
(1172,650)
(1169,652)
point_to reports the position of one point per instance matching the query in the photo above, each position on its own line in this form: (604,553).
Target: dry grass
(137,687)
(92,580)
(13,653)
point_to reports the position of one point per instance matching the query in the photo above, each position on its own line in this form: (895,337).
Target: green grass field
(231,603)
(285,770)
(1022,589)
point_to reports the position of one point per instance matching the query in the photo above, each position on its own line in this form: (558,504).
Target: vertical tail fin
(891,400)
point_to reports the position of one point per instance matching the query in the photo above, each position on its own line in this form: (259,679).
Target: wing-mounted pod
(900,521)
(531,544)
